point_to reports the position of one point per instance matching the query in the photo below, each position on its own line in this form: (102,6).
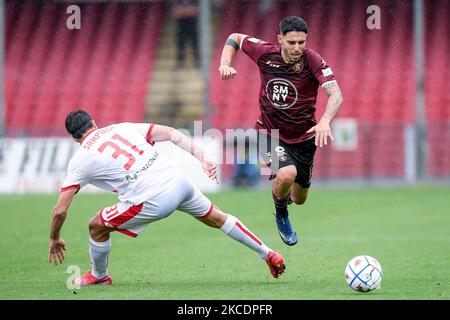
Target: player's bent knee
(287,175)
(96,227)
(93,223)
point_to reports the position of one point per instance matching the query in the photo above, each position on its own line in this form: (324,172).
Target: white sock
(99,252)
(237,230)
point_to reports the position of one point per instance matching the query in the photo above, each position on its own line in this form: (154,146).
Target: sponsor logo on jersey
(281,93)
(298,67)
(133,177)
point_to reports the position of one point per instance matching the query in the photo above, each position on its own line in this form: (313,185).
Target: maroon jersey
(288,93)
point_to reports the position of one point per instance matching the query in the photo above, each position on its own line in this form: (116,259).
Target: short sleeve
(254,47)
(321,70)
(145,129)
(75,178)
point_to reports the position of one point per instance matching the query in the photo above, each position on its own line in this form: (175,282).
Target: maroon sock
(280,205)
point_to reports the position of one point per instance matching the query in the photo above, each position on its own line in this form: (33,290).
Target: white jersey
(121,158)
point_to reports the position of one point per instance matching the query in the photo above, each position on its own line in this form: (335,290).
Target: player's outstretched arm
(165,133)
(335,99)
(57,244)
(228,52)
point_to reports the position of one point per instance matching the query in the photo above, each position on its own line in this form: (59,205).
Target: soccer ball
(363,273)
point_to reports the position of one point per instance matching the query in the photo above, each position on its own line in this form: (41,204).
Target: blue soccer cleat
(285,229)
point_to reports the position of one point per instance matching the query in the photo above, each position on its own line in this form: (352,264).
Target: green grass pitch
(406,229)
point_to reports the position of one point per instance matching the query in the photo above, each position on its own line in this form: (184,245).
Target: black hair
(78,122)
(293,23)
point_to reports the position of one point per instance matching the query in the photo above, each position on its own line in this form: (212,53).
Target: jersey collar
(87,134)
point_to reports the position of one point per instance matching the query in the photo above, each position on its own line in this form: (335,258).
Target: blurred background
(157,61)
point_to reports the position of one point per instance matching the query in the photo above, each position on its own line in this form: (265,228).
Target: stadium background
(121,66)
(393,129)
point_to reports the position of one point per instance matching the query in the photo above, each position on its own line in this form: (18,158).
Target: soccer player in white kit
(121,158)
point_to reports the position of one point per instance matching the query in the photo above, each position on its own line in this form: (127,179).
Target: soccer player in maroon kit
(290,77)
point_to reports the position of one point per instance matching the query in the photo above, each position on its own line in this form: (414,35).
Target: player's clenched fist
(227,72)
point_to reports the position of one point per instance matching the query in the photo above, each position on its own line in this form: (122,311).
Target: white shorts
(131,219)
